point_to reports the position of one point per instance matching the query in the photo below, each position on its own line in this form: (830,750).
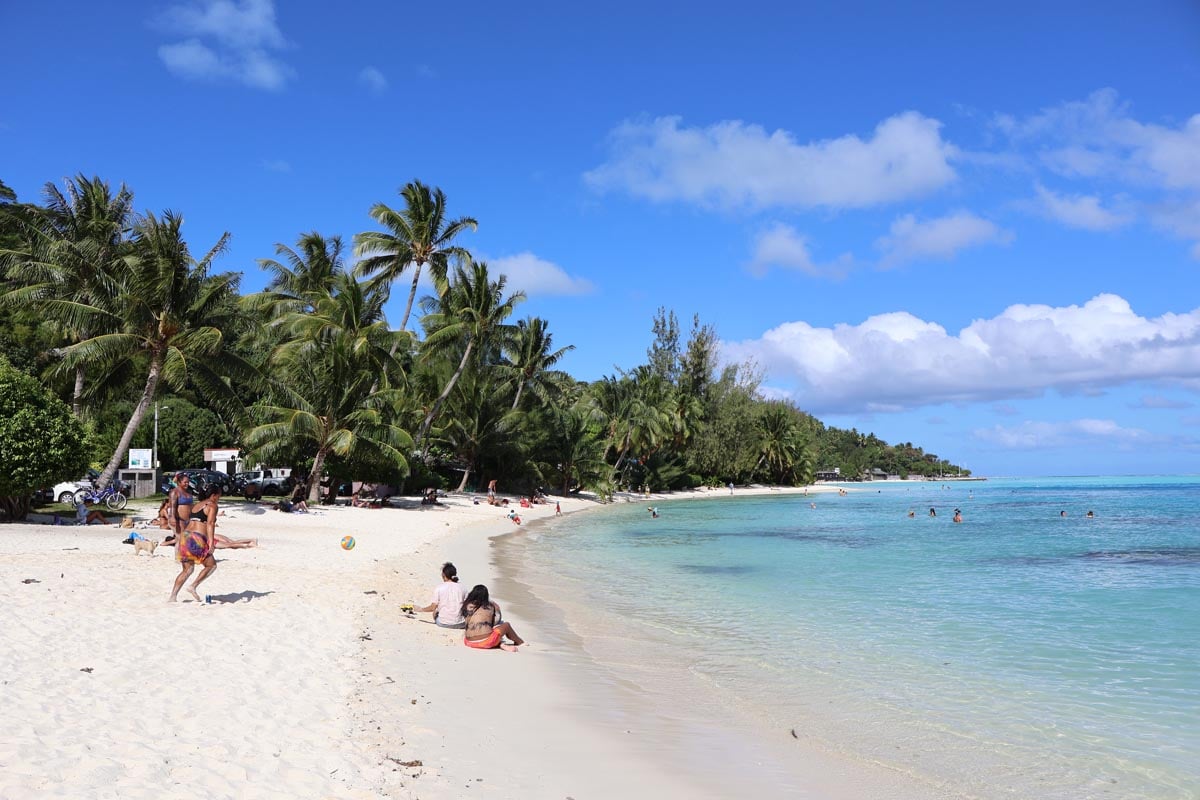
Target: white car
(65,492)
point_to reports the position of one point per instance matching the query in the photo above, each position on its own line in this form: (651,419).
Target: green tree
(723,447)
(634,413)
(75,257)
(573,453)
(783,445)
(664,355)
(530,360)
(170,319)
(469,317)
(416,236)
(323,375)
(41,442)
(476,424)
(305,275)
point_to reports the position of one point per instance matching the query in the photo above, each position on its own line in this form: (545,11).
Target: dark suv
(202,480)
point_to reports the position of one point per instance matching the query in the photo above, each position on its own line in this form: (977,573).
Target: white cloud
(1182,219)
(734,164)
(191,59)
(1098,137)
(896,360)
(912,240)
(783,246)
(373,79)
(241,34)
(536,276)
(1080,432)
(1080,211)
(1158,401)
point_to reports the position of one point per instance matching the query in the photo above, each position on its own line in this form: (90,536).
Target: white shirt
(449,597)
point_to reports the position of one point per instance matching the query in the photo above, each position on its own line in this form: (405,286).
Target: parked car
(275,480)
(65,491)
(202,480)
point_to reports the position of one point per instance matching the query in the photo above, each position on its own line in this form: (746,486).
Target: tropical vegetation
(107,310)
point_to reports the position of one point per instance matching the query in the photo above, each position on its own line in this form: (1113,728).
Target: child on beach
(485,631)
(448,599)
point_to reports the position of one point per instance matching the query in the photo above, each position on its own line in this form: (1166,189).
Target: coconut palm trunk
(620,459)
(427,423)
(462,485)
(77,394)
(139,413)
(314,477)
(412,294)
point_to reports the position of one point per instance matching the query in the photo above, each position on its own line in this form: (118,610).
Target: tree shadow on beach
(247,596)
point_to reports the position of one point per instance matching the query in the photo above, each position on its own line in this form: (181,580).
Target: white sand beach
(302,678)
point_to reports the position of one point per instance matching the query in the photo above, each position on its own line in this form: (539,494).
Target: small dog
(144,545)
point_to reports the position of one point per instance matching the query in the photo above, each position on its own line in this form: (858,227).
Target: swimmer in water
(957,515)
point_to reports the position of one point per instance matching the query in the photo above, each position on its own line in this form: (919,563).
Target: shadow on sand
(247,596)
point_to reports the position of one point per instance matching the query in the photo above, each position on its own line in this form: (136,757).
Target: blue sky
(976,229)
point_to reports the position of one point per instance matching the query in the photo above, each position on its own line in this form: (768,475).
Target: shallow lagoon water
(1019,654)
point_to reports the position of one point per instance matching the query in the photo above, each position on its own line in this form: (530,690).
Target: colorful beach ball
(347,542)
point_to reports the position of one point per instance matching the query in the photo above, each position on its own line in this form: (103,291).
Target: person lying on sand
(485,631)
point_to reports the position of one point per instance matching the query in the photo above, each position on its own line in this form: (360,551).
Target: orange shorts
(489,643)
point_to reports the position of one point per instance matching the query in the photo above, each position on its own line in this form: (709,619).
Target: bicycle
(110,496)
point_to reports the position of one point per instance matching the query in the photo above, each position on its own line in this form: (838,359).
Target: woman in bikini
(485,631)
(193,537)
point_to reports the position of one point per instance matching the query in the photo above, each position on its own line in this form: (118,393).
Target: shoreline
(304,679)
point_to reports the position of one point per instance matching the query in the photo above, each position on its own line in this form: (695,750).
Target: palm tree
(77,244)
(170,318)
(309,270)
(783,446)
(323,395)
(632,414)
(416,236)
(477,423)
(575,447)
(530,358)
(470,315)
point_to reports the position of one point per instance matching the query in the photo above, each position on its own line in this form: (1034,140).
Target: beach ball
(347,542)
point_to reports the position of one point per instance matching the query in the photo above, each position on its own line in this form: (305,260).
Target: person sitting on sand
(448,599)
(86,516)
(193,540)
(485,631)
(512,515)
(299,505)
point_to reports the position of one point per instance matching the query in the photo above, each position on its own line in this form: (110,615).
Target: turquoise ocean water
(1019,654)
